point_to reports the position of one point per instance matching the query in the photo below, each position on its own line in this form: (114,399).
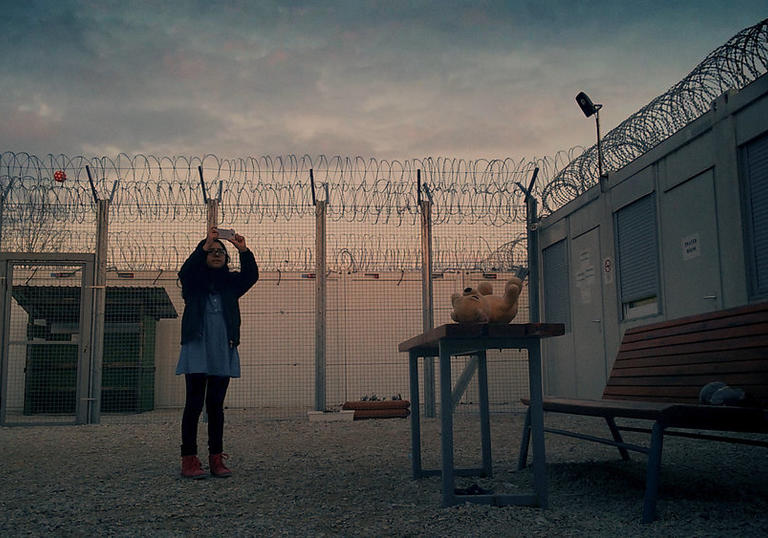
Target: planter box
(379,409)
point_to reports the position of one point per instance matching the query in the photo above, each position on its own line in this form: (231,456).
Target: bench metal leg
(537,424)
(485,414)
(652,473)
(413,365)
(446,421)
(522,459)
(617,437)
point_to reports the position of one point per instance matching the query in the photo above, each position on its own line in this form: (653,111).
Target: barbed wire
(46,202)
(288,251)
(740,61)
(144,187)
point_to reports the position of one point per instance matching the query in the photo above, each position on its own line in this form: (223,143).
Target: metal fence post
(99,309)
(427,303)
(532,239)
(320,305)
(533,258)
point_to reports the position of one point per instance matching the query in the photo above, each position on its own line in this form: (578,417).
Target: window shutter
(756,157)
(638,257)
(555,276)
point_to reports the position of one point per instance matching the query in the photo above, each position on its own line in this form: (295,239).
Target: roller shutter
(638,252)
(755,158)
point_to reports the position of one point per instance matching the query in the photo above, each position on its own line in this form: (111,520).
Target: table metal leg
(485,413)
(477,345)
(537,424)
(446,420)
(413,365)
(525,440)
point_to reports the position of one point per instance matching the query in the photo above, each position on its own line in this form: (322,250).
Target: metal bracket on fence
(312,186)
(427,191)
(420,187)
(202,183)
(93,188)
(527,192)
(114,188)
(7,189)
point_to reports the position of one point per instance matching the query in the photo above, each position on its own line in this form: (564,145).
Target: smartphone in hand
(226,233)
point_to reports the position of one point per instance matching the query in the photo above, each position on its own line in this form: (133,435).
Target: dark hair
(226,254)
(217,277)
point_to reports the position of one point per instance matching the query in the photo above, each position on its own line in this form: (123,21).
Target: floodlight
(589,108)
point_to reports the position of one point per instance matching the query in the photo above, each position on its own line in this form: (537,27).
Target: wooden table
(474,339)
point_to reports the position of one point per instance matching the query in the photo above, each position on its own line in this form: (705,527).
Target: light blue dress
(210,354)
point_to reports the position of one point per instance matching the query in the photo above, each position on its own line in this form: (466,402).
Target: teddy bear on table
(479,305)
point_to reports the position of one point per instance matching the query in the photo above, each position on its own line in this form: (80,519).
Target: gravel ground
(301,478)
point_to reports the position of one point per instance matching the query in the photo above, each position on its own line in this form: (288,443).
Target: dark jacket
(195,280)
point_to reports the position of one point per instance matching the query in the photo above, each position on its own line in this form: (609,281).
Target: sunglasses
(217,252)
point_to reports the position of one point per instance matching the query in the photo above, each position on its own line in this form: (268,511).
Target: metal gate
(45,356)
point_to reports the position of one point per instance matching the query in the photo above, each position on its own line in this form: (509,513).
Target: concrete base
(331,416)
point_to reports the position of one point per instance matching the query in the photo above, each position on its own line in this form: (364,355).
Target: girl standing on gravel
(210,334)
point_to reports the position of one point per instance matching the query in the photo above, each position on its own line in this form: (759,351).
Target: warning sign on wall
(585,276)
(691,246)
(608,271)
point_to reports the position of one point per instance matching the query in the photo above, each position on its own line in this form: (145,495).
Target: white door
(587,318)
(689,248)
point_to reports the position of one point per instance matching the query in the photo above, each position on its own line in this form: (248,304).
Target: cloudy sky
(388,79)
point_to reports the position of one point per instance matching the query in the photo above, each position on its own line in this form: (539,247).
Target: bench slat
(730,312)
(758,369)
(717,335)
(705,417)
(760,341)
(740,380)
(683,394)
(604,408)
(697,327)
(723,356)
(651,398)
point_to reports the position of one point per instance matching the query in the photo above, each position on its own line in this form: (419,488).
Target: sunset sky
(388,79)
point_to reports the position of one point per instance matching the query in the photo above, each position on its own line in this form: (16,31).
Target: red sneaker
(218,468)
(191,467)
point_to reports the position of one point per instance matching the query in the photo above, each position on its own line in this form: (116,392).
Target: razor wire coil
(732,66)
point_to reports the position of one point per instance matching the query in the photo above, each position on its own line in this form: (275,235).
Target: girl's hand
(213,235)
(239,241)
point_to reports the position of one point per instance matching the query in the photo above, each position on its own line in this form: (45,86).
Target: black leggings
(214,405)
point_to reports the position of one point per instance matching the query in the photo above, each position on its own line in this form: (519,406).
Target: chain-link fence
(80,347)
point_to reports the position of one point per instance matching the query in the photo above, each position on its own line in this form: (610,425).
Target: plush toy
(479,305)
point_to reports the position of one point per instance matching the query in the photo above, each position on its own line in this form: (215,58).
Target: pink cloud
(277,57)
(29,126)
(184,65)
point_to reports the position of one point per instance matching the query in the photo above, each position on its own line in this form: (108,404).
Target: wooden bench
(657,376)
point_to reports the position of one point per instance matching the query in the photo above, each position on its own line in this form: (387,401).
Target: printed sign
(691,247)
(585,276)
(608,271)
